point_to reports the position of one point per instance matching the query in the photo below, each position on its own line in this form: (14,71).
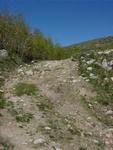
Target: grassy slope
(101,43)
(102,78)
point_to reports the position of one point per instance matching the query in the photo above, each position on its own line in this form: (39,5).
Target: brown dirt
(71,125)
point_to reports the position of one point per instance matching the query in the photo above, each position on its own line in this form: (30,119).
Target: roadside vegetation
(96,67)
(16,37)
(23,46)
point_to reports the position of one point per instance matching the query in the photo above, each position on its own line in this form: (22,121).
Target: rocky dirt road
(60,119)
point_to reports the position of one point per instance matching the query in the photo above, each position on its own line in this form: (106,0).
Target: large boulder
(3,52)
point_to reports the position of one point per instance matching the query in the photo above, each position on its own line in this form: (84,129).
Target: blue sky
(66,21)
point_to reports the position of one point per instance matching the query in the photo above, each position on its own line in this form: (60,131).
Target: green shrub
(17,38)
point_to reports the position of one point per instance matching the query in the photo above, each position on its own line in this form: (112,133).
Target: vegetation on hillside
(96,67)
(95,59)
(23,46)
(96,44)
(17,38)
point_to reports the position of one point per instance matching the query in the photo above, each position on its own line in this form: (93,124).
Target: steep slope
(54,115)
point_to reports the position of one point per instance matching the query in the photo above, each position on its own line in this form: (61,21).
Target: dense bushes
(17,38)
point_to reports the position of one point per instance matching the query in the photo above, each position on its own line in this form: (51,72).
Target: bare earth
(66,123)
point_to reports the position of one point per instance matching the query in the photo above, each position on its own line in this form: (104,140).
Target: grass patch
(24,117)
(58,131)
(2,100)
(45,105)
(2,103)
(6,66)
(101,79)
(96,111)
(20,116)
(102,84)
(25,88)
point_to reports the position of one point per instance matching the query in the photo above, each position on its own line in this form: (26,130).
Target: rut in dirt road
(55,116)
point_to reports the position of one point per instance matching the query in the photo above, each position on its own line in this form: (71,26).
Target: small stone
(109,135)
(90,61)
(95,141)
(109,112)
(89,133)
(87,80)
(39,141)
(99,53)
(21,100)
(20,66)
(47,128)
(108,51)
(107,142)
(89,118)
(58,149)
(20,125)
(20,70)
(104,63)
(112,78)
(95,102)
(106,79)
(32,61)
(9,123)
(111,129)
(29,73)
(74,81)
(14,99)
(1,91)
(24,104)
(90,105)
(83,60)
(3,52)
(110,62)
(22,73)
(82,57)
(92,76)
(89,68)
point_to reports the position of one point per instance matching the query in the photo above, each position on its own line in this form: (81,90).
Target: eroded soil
(60,118)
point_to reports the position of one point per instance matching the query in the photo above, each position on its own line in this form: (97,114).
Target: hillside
(49,106)
(49,101)
(100,43)
(57,104)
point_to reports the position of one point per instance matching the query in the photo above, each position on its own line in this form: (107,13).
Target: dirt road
(60,119)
